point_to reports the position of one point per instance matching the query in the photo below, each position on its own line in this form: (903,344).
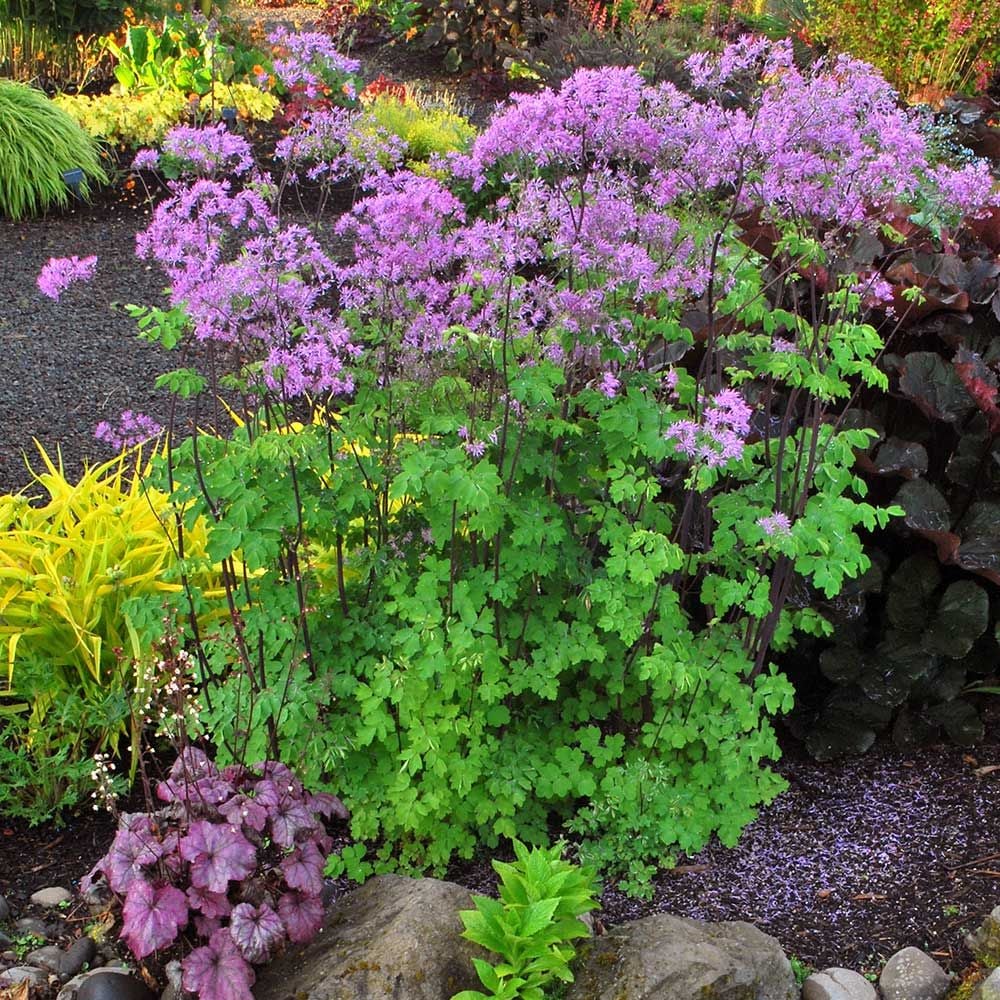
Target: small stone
(23,973)
(911,974)
(9,956)
(51,897)
(105,985)
(984,941)
(838,984)
(4,908)
(111,985)
(5,942)
(80,953)
(48,958)
(989,988)
(32,925)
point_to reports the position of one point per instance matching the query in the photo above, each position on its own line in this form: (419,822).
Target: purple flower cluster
(310,61)
(332,147)
(718,438)
(237,854)
(208,151)
(61,272)
(246,281)
(131,429)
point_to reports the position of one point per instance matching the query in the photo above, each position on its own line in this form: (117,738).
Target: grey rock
(105,984)
(22,973)
(5,942)
(32,925)
(393,937)
(989,988)
(984,941)
(49,958)
(80,953)
(4,908)
(51,897)
(911,974)
(9,956)
(663,957)
(838,984)
(175,985)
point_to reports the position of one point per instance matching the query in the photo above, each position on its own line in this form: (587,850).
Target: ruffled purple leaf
(206,926)
(290,818)
(217,971)
(209,904)
(218,854)
(134,846)
(257,931)
(327,805)
(302,915)
(303,869)
(282,776)
(152,917)
(241,809)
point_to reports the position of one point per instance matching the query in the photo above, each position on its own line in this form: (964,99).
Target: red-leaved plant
(235,857)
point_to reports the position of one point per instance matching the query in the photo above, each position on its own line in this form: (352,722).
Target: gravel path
(69,364)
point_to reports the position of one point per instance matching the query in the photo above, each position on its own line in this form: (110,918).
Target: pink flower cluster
(61,272)
(718,437)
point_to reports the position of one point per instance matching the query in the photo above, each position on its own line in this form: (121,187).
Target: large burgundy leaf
(256,930)
(242,809)
(301,915)
(218,854)
(935,386)
(290,818)
(327,805)
(217,971)
(981,384)
(928,513)
(152,917)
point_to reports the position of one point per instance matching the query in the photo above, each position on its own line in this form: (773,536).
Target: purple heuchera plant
(235,857)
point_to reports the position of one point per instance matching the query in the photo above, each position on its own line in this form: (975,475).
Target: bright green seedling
(531,926)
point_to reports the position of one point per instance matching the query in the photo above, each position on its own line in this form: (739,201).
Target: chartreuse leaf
(531,925)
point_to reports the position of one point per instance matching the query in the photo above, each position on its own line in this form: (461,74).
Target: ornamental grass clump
(523,486)
(38,144)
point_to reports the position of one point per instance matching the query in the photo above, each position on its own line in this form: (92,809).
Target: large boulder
(674,958)
(393,937)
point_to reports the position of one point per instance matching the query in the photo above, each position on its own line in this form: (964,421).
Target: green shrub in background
(926,49)
(38,143)
(67,18)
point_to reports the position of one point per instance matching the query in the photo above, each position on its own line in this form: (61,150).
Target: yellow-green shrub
(427,127)
(144,119)
(69,563)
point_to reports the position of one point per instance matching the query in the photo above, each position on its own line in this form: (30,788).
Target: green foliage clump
(38,143)
(427,128)
(532,925)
